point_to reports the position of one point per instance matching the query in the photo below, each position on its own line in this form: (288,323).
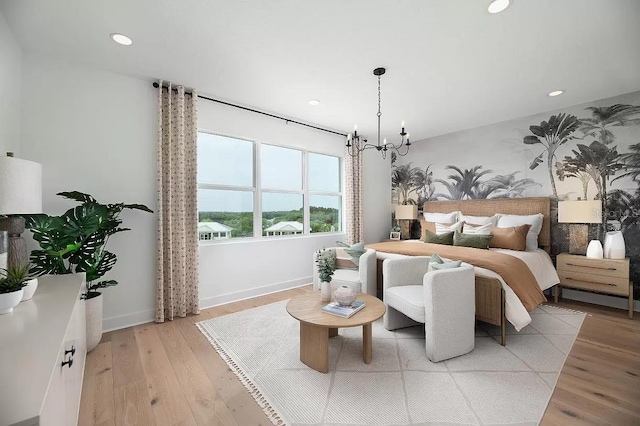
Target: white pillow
(443,228)
(441,217)
(479,220)
(477,229)
(535,220)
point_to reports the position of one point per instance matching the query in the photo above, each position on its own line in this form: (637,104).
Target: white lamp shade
(408,211)
(587,211)
(20,186)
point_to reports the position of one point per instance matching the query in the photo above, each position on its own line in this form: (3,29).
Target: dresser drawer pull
(592,267)
(68,363)
(71,351)
(590,282)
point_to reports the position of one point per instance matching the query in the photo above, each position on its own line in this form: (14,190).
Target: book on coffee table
(334,308)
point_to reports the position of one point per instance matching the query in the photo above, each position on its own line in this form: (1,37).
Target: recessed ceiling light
(121,39)
(556,93)
(314,102)
(498,6)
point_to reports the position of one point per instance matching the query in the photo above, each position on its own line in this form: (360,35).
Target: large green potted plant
(76,242)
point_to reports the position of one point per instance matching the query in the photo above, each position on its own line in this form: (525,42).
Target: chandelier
(356,144)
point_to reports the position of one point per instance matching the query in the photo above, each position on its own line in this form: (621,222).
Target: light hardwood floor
(168,374)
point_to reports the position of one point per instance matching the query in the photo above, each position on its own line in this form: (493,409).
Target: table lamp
(20,193)
(405,213)
(578,214)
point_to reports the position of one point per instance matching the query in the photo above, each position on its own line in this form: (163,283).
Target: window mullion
(257,196)
(306,210)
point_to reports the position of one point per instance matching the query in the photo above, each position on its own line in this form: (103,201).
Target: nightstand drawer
(590,281)
(603,267)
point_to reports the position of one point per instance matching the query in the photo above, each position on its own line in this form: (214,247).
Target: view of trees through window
(291,181)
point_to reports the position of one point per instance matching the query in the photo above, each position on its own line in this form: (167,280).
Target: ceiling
(450,64)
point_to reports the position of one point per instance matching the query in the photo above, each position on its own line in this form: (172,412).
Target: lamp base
(18,256)
(405,228)
(578,238)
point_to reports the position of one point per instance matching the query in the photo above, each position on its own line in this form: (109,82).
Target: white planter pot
(94,321)
(614,247)
(8,301)
(29,289)
(594,250)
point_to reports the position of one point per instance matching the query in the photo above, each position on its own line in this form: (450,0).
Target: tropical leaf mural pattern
(584,152)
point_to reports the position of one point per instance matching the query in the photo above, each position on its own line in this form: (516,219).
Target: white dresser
(41,334)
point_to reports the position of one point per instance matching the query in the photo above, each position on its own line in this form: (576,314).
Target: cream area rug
(490,385)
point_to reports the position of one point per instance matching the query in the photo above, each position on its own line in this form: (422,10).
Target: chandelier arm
(355,144)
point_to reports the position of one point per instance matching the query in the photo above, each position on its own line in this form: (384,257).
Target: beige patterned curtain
(177,274)
(353,197)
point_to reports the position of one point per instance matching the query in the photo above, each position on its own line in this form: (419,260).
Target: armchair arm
(404,271)
(368,273)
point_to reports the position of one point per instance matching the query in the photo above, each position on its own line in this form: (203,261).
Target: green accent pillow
(479,241)
(437,263)
(433,238)
(355,251)
(446,265)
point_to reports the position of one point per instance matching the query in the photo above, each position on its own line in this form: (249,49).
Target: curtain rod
(287,120)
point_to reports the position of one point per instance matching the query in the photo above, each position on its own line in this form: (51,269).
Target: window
(225,187)
(325,198)
(253,189)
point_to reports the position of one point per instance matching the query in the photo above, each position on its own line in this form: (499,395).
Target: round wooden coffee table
(316,327)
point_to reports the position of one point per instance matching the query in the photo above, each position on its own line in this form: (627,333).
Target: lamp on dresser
(405,213)
(20,193)
(579,214)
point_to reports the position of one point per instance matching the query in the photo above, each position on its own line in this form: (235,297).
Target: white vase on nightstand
(614,247)
(594,250)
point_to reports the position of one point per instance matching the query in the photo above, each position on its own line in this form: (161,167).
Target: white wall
(10,76)
(376,196)
(95,132)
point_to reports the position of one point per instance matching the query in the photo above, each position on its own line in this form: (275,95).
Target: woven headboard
(489,207)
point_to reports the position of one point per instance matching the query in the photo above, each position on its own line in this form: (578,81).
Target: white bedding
(538,262)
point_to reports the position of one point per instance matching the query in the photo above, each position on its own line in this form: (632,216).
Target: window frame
(257,191)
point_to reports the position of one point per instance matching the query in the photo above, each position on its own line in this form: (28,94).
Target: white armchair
(362,280)
(443,300)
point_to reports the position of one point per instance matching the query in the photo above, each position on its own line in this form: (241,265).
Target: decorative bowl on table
(344,296)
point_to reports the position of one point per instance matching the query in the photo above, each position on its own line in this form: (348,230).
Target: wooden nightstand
(607,276)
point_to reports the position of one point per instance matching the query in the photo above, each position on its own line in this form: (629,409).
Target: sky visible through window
(229,161)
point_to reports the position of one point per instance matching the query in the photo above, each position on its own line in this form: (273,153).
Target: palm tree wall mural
(590,151)
(551,134)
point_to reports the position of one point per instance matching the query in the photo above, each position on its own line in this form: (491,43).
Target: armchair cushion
(408,299)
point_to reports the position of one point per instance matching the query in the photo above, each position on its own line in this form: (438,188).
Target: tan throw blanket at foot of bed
(515,273)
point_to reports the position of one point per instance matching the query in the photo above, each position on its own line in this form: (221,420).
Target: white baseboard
(600,299)
(137,318)
(129,320)
(253,292)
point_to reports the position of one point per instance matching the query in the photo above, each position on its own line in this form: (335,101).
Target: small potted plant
(12,280)
(326,263)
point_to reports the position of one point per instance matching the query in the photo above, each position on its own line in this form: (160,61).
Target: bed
(496,302)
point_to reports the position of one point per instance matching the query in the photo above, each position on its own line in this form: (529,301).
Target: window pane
(325,213)
(324,173)
(224,161)
(224,214)
(281,214)
(281,168)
